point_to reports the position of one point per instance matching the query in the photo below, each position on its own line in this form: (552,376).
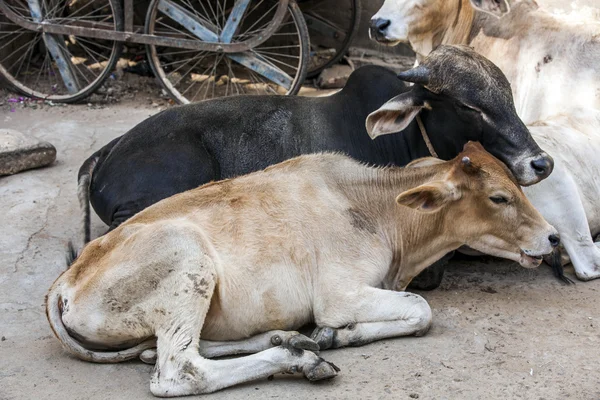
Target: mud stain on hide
(133,289)
(200,285)
(361,221)
(547,59)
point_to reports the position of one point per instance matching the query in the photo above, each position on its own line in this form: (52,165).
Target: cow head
(481,95)
(484,208)
(401,20)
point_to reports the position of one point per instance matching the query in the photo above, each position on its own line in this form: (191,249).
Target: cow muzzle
(531,170)
(533,258)
(542,165)
(378,28)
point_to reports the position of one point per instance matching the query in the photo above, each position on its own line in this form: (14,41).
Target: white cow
(552,61)
(553,64)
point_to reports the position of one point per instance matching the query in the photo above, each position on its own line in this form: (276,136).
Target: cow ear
(495,7)
(429,197)
(395,115)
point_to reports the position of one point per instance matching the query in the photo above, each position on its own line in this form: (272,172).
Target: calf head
(402,21)
(480,95)
(484,208)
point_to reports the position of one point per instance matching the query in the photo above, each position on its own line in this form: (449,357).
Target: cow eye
(468,108)
(499,199)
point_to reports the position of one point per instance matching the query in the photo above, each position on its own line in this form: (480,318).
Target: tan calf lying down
(316,238)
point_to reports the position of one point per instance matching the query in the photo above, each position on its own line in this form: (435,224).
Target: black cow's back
(187,146)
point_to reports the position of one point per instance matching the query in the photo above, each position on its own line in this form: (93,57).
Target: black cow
(459,95)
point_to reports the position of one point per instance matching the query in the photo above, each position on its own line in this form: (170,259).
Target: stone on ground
(20,152)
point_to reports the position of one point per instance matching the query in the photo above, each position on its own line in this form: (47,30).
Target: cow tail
(54,314)
(557,268)
(83,194)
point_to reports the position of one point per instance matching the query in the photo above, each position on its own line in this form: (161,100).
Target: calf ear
(495,7)
(395,115)
(429,197)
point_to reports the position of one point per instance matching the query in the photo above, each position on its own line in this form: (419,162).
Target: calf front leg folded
(186,373)
(252,345)
(379,314)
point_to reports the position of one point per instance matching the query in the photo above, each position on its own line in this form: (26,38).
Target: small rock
(3,338)
(334,77)
(413,396)
(19,152)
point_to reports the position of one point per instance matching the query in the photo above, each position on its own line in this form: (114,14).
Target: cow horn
(468,166)
(418,75)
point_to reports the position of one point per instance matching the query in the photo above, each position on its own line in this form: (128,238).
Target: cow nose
(554,240)
(543,166)
(378,27)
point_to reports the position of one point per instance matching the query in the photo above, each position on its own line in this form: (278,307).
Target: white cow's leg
(378,314)
(255,344)
(182,371)
(557,198)
(584,255)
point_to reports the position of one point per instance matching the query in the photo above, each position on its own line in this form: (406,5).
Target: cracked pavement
(498,330)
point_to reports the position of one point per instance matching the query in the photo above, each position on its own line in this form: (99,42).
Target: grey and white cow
(553,65)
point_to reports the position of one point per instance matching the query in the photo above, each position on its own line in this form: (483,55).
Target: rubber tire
(340,54)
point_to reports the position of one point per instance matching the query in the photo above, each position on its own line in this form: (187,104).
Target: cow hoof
(322,370)
(324,337)
(587,275)
(148,356)
(300,341)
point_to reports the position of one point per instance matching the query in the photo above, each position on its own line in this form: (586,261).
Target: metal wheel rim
(108,61)
(294,18)
(344,45)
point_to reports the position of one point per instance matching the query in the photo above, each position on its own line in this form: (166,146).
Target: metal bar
(63,62)
(128,15)
(263,68)
(149,39)
(35,10)
(234,19)
(189,21)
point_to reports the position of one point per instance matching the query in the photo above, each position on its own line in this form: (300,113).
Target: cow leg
(378,314)
(566,213)
(120,216)
(255,344)
(431,277)
(181,371)
(583,254)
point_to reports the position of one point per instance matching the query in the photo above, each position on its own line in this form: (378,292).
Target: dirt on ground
(499,331)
